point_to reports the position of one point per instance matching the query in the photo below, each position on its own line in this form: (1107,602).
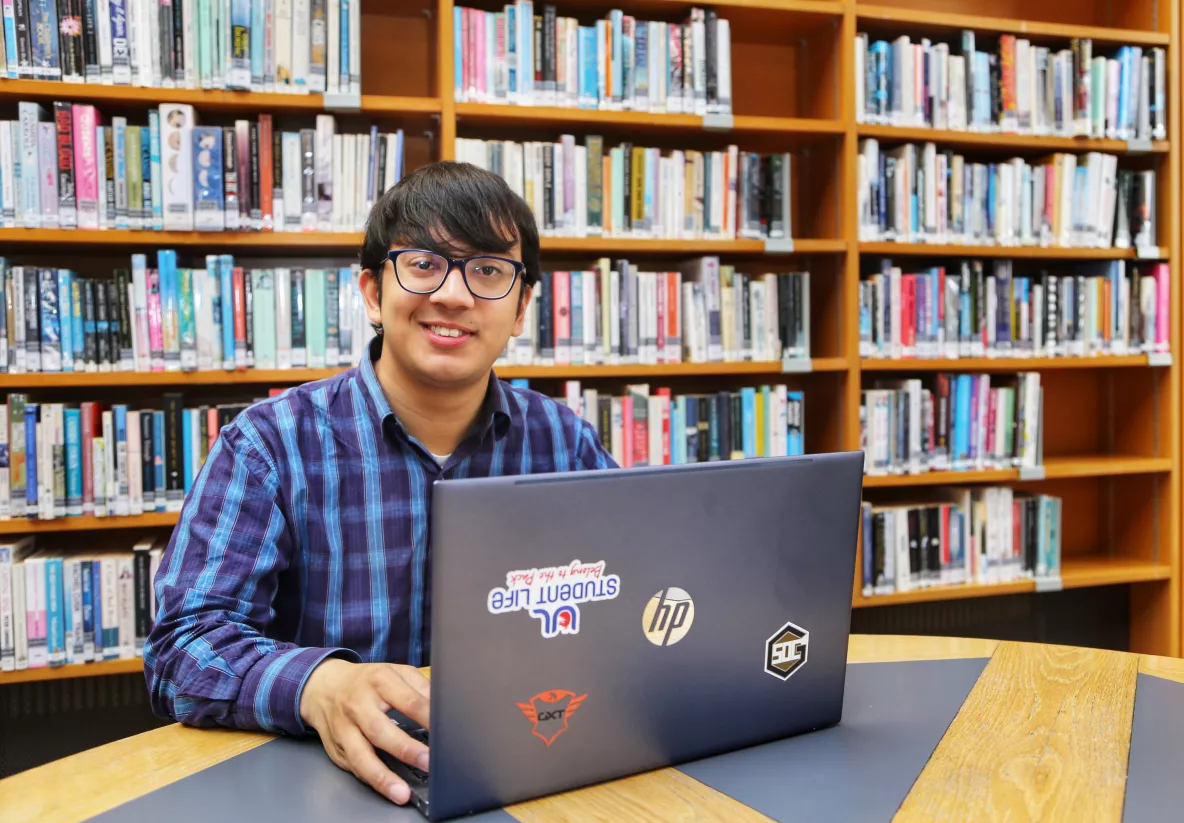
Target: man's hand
(347,704)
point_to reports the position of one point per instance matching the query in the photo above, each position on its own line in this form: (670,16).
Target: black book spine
(546,316)
(298,309)
(736,434)
(165,25)
(256,209)
(141,565)
(711,41)
(63,114)
(70,31)
(24,38)
(548,187)
(692,428)
(548,48)
(126,348)
(89,350)
(148,459)
(90,41)
(114,323)
(102,323)
(178,43)
(32,317)
(704,438)
(249,304)
(173,452)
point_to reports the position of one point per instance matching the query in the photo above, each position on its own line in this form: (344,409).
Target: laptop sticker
(553,594)
(668,616)
(785,651)
(548,712)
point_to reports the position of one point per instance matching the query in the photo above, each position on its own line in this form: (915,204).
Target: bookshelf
(1112,445)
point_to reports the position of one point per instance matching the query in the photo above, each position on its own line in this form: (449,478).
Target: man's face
(449,337)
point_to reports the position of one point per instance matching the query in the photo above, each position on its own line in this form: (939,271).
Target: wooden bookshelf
(134,665)
(1019,143)
(970,364)
(1111,423)
(1013,252)
(1098,570)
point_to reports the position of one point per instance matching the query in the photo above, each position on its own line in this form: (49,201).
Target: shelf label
(715,121)
(1049,584)
(1159,358)
(1140,145)
(1149,253)
(342,102)
(796,365)
(1032,472)
(779,245)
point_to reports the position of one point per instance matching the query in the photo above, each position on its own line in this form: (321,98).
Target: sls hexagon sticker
(785,651)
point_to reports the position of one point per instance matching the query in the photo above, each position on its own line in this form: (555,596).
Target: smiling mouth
(446,331)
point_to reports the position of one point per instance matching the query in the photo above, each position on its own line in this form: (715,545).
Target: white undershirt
(441,458)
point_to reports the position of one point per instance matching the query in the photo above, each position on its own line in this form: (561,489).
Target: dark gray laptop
(590,625)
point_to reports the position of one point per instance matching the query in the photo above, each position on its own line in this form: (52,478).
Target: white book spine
(20,639)
(7,633)
(135,465)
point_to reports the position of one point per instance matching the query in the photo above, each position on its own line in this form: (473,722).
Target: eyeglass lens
(422,272)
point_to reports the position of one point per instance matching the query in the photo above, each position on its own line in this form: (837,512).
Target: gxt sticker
(668,616)
(553,594)
(548,712)
(785,651)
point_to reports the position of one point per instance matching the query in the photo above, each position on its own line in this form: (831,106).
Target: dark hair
(460,202)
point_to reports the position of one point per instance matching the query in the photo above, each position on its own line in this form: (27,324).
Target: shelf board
(134,665)
(25,525)
(631,245)
(486,114)
(207,99)
(1015,252)
(120,238)
(350,241)
(977,364)
(1103,465)
(1077,572)
(972,139)
(764,367)
(287,377)
(213,377)
(923,21)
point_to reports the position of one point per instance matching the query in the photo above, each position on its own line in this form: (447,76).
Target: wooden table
(1044,734)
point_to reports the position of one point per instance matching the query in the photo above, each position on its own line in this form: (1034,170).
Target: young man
(294,594)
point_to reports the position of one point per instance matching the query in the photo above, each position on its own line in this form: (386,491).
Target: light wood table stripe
(1043,735)
(86,784)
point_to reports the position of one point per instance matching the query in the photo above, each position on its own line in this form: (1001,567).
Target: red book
(240,319)
(266,177)
(665,392)
(89,414)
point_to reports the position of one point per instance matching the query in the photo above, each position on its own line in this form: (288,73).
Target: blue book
(795,436)
(511,51)
(187,449)
(111,633)
(66,317)
(158,457)
(170,308)
(10,50)
(458,77)
(766,401)
(88,612)
(226,275)
(119,459)
(32,415)
(692,429)
(55,628)
(748,432)
(520,383)
(343,67)
(77,338)
(73,421)
(961,389)
(96,598)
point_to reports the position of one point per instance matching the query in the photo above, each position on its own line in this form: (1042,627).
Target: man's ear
(371,286)
(523,301)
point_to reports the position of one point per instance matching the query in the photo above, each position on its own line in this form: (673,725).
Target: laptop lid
(590,625)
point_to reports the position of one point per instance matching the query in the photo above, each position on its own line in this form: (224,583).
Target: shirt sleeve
(590,452)
(208,660)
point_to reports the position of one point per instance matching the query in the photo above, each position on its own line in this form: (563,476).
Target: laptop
(591,625)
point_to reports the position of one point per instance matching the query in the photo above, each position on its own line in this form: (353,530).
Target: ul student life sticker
(553,594)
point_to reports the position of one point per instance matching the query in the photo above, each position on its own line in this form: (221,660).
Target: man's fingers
(368,768)
(415,679)
(399,694)
(384,733)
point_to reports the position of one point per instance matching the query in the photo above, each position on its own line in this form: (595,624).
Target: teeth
(446,332)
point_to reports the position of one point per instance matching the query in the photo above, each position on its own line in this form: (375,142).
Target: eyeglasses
(424,272)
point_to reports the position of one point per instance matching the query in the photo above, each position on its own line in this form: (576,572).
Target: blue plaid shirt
(305,535)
